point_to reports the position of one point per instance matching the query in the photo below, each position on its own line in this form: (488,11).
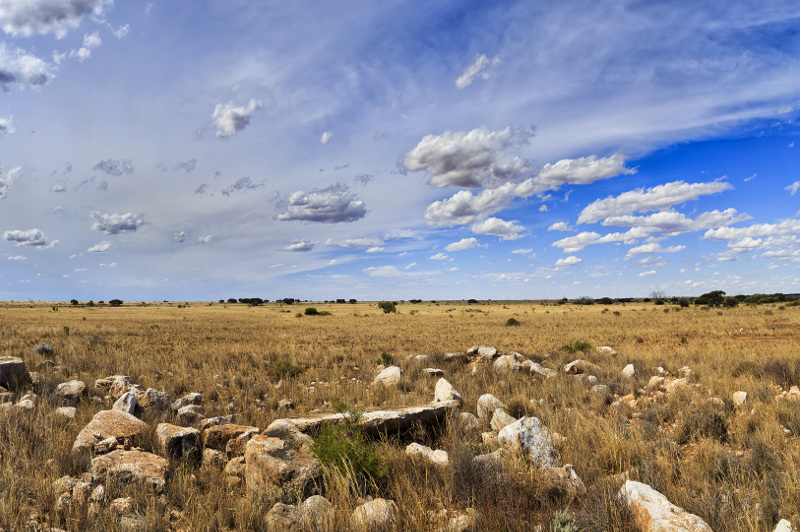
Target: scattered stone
(529,436)
(191,414)
(188,399)
(98,494)
(685,372)
(109,423)
(116,385)
(739,398)
(389,377)
(605,350)
(655,382)
(433,372)
(64,484)
(317,513)
(500,419)
(375,515)
(580,366)
(236,467)
(154,401)
(438,457)
(487,404)
(485,351)
(122,505)
(456,356)
(628,371)
(490,440)
(281,458)
(652,511)
(126,403)
(123,467)
(507,363)
(676,384)
(13,372)
(784,526)
(283,517)
(217,436)
(213,422)
(236,446)
(445,393)
(469,423)
(538,369)
(81,492)
(601,391)
(105,446)
(285,404)
(463,522)
(179,443)
(214,458)
(68,393)
(565,481)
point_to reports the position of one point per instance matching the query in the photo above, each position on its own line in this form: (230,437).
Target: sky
(175,150)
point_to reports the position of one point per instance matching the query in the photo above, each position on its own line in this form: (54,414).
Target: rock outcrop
(652,512)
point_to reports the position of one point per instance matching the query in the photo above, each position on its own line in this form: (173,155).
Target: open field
(737,467)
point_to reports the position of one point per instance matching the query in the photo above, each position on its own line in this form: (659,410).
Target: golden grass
(745,481)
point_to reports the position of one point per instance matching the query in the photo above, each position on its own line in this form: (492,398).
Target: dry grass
(738,468)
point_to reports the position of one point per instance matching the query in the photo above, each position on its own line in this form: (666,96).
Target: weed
(385,359)
(285,369)
(43,349)
(576,346)
(512,322)
(563,522)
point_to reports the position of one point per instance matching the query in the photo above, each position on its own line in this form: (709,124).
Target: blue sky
(212,149)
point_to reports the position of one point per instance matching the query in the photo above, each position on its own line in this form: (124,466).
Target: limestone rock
(154,401)
(109,423)
(66,413)
(68,393)
(283,517)
(529,436)
(377,514)
(126,403)
(784,526)
(487,404)
(191,414)
(565,482)
(490,440)
(581,366)
(122,505)
(179,443)
(653,512)
(213,421)
(317,513)
(389,377)
(212,457)
(444,392)
(676,385)
(500,419)
(628,372)
(236,467)
(507,363)
(538,369)
(281,462)
(13,372)
(433,372)
(105,446)
(601,391)
(739,398)
(217,436)
(122,467)
(188,399)
(462,357)
(605,350)
(116,385)
(236,446)
(469,423)
(438,457)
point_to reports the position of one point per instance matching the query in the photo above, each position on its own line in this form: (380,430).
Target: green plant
(563,522)
(513,322)
(576,346)
(387,306)
(385,359)
(284,369)
(683,302)
(311,311)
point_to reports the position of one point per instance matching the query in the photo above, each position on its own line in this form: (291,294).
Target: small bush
(576,346)
(387,306)
(43,349)
(284,369)
(563,522)
(683,302)
(385,359)
(702,424)
(512,322)
(311,311)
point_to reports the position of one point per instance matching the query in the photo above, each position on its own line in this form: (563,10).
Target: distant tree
(288,300)
(731,302)
(115,302)
(683,302)
(605,301)
(472,301)
(340,301)
(222,301)
(712,299)
(74,301)
(387,306)
(90,303)
(415,301)
(353,301)
(232,300)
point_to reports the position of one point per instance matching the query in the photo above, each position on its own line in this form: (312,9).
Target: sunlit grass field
(745,476)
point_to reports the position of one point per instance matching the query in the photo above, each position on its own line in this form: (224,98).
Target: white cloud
(559,226)
(481,68)
(653,247)
(439,256)
(241,185)
(26,17)
(584,170)
(122,31)
(522,251)
(376,249)
(543,208)
(793,188)
(90,42)
(179,236)
(326,137)
(17,257)
(785,109)
(112,224)
(300,246)
(229,120)
(7,126)
(786,227)
(26,237)
(58,188)
(410,265)
(333,204)
(470,158)
(361,242)
(205,239)
(463,244)
(102,247)
(17,66)
(453,269)
(115,167)
(497,227)
(649,272)
(572,260)
(109,265)
(643,200)
(383,271)
(571,244)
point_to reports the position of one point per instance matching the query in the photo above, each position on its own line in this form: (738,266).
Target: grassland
(742,476)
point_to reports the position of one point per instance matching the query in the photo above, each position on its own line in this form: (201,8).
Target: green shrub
(311,311)
(563,522)
(43,349)
(683,302)
(284,369)
(513,322)
(576,346)
(387,306)
(385,359)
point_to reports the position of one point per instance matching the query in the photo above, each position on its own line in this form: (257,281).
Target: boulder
(213,422)
(116,385)
(236,446)
(179,443)
(389,377)
(438,457)
(378,514)
(538,369)
(433,372)
(784,526)
(281,458)
(529,436)
(581,366)
(126,403)
(500,419)
(565,482)
(469,423)
(460,356)
(188,399)
(13,372)
(676,385)
(487,404)
(66,413)
(317,513)
(213,458)
(601,391)
(122,467)
(154,401)
(217,436)
(105,446)
(628,372)
(283,517)
(109,423)
(236,467)
(68,393)
(191,414)
(739,398)
(605,350)
(653,512)
(507,363)
(655,382)
(445,393)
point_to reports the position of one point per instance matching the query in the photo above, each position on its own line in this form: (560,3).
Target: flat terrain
(737,467)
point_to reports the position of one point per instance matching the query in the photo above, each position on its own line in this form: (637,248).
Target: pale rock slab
(180,443)
(529,436)
(109,423)
(652,512)
(122,467)
(501,419)
(389,377)
(487,404)
(445,393)
(13,372)
(438,457)
(377,514)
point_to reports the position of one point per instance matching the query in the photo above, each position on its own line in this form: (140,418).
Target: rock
(317,513)
(217,436)
(281,458)
(123,467)
(565,482)
(13,373)
(628,372)
(438,457)
(66,413)
(784,526)
(126,403)
(122,505)
(116,385)
(739,398)
(676,384)
(81,492)
(580,366)
(109,423)
(500,419)
(469,423)
(105,446)
(445,393)
(529,436)
(486,352)
(285,404)
(685,371)
(507,363)
(463,522)
(236,446)
(179,443)
(213,422)
(601,391)
(462,357)
(64,484)
(389,377)
(132,523)
(213,458)
(655,382)
(538,369)
(283,517)
(27,404)
(154,401)
(487,404)
(191,414)
(68,393)
(188,399)
(605,350)
(377,514)
(433,372)
(653,512)
(493,460)
(98,494)
(236,467)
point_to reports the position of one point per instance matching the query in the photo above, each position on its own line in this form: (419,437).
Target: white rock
(68,393)
(652,511)
(529,436)
(628,371)
(605,350)
(66,413)
(487,404)
(784,526)
(375,514)
(444,392)
(188,399)
(500,419)
(538,369)
(739,398)
(389,377)
(438,457)
(126,403)
(433,372)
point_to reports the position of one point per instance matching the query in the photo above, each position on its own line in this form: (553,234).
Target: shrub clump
(43,349)
(385,359)
(284,369)
(576,346)
(312,311)
(513,322)
(387,306)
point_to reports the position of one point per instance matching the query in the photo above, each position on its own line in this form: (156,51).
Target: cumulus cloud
(652,247)
(26,17)
(439,256)
(470,158)
(27,237)
(584,170)
(90,42)
(645,274)
(326,137)
(230,120)
(572,244)
(112,224)
(376,249)
(361,242)
(205,239)
(115,167)
(524,251)
(643,200)
(102,247)
(179,236)
(19,67)
(241,185)
(463,244)
(7,126)
(572,260)
(300,246)
(793,188)
(328,205)
(383,271)
(7,179)
(481,68)
(786,227)
(186,166)
(559,226)
(497,227)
